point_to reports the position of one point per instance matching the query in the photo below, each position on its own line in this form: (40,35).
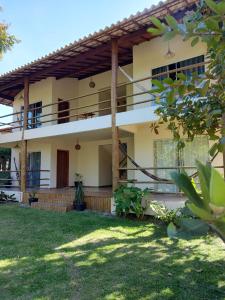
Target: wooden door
(62,168)
(63,111)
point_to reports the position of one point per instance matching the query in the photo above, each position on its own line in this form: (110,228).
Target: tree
(195,105)
(6,39)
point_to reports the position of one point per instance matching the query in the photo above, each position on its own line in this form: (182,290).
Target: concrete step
(50,206)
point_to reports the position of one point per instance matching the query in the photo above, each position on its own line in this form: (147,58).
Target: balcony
(87,112)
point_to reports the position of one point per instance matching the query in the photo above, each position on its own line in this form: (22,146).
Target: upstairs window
(180,64)
(33,115)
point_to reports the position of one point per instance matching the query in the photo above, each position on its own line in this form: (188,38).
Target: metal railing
(11,179)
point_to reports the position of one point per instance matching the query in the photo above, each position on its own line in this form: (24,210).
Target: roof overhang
(92,54)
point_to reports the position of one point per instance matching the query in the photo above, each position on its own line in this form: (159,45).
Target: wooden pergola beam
(6,97)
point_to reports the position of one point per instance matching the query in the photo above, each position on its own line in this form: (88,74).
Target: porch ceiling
(92,54)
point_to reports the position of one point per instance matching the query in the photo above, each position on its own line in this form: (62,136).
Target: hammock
(152,176)
(156,178)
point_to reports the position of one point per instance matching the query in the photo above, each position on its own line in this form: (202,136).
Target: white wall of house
(64,89)
(39,91)
(151,54)
(85,161)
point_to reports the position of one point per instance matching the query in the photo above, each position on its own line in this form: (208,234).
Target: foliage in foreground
(7,40)
(130,200)
(180,222)
(4,198)
(195,105)
(209,206)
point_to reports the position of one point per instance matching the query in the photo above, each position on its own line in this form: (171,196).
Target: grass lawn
(46,255)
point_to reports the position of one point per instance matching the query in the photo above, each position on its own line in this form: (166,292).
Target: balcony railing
(50,115)
(11,179)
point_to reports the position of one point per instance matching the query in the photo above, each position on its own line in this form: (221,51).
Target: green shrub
(209,204)
(162,213)
(130,200)
(180,221)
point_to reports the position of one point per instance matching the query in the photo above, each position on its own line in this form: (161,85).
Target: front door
(62,168)
(34,167)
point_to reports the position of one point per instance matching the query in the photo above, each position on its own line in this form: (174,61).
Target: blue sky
(46,25)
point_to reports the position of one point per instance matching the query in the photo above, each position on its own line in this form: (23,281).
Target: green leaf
(199,212)
(159,84)
(194,225)
(219,9)
(155,31)
(157,23)
(171,21)
(171,230)
(181,76)
(212,24)
(168,80)
(217,189)
(194,41)
(185,184)
(204,175)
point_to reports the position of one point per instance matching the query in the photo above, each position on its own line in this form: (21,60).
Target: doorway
(105,165)
(34,168)
(62,168)
(63,111)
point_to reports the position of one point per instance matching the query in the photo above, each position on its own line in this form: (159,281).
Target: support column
(115,133)
(24,142)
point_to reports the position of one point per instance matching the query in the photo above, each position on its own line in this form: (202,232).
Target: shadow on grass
(87,256)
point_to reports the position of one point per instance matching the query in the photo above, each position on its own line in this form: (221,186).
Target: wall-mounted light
(77,146)
(169,54)
(91,83)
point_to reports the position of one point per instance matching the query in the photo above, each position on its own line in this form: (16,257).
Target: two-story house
(72,108)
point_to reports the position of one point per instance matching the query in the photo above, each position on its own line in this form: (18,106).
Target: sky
(45,25)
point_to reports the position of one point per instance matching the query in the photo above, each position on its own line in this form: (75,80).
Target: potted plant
(32,198)
(78,179)
(79,203)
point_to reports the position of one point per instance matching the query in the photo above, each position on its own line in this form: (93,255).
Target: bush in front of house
(130,200)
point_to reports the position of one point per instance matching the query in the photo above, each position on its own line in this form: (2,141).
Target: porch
(97,199)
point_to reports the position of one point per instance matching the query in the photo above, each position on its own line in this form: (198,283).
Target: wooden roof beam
(8,97)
